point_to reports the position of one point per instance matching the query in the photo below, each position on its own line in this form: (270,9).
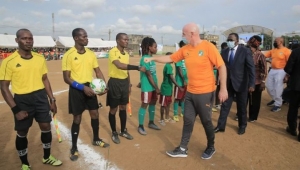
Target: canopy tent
(249,29)
(110,43)
(93,42)
(8,41)
(64,42)
(43,41)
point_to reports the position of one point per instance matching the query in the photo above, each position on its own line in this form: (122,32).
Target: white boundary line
(55,93)
(88,158)
(59,92)
(91,159)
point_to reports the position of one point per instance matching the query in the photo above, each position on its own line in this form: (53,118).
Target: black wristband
(132,67)
(15,109)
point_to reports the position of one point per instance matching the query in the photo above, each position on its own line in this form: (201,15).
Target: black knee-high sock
(123,119)
(112,122)
(95,127)
(75,132)
(46,138)
(21,145)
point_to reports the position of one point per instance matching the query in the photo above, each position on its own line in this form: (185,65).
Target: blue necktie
(231,57)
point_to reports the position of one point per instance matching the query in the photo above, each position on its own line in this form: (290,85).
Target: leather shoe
(292,132)
(219,130)
(241,131)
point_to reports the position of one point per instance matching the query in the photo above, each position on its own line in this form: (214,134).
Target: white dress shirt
(234,50)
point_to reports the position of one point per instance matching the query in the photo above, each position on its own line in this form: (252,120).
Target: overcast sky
(163,19)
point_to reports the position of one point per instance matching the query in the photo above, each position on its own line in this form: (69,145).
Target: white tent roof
(110,43)
(93,42)
(241,41)
(8,41)
(65,41)
(43,41)
(249,29)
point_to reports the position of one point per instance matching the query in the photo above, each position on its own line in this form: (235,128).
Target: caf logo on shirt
(200,53)
(281,53)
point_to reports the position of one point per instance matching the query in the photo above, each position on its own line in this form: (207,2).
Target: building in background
(292,39)
(134,42)
(211,37)
(136,39)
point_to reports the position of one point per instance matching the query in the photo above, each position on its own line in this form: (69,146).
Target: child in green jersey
(166,93)
(149,86)
(181,80)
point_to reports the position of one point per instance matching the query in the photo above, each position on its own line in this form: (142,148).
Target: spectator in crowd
(254,98)
(292,70)
(275,79)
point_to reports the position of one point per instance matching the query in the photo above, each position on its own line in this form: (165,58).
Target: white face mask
(185,41)
(231,44)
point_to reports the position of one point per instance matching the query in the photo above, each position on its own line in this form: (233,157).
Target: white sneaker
(218,106)
(162,122)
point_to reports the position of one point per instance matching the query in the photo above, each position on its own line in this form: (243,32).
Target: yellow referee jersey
(113,71)
(80,65)
(25,74)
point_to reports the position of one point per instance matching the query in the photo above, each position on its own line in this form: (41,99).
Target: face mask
(254,46)
(230,44)
(275,45)
(184,40)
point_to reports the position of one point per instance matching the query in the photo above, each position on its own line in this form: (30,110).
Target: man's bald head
(192,33)
(279,41)
(191,27)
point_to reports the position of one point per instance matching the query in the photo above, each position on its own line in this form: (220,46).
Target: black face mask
(275,45)
(254,46)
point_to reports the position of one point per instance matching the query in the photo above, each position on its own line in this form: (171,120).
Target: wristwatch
(53,100)
(139,69)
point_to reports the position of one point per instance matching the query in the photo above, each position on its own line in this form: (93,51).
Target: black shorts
(79,101)
(118,92)
(37,106)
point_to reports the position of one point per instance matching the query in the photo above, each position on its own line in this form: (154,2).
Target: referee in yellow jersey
(78,65)
(27,71)
(119,86)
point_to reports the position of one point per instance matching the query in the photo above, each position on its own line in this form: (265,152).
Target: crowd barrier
(4,55)
(102,54)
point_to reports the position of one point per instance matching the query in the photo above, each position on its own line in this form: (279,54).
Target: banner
(102,54)
(159,49)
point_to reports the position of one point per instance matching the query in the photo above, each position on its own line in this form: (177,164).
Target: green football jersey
(178,79)
(151,66)
(167,84)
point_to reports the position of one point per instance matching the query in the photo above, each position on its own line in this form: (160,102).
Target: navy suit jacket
(241,74)
(293,69)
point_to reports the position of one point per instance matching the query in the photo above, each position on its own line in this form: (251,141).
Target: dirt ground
(265,145)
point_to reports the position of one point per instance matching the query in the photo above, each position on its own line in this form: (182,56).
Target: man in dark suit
(293,72)
(240,80)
